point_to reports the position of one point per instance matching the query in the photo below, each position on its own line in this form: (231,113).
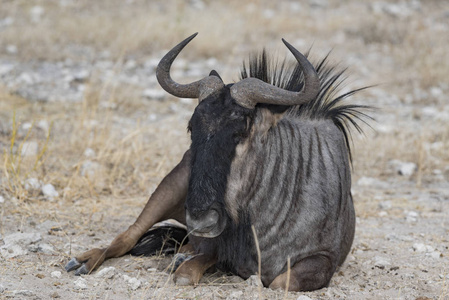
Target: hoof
(178,259)
(81,270)
(181,280)
(72,265)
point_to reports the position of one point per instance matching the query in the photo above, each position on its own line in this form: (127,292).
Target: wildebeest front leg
(191,271)
(311,273)
(167,202)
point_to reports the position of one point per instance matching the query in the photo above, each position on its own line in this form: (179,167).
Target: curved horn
(251,91)
(190,90)
(199,89)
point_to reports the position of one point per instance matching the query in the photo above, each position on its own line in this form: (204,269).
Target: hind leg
(311,273)
(166,202)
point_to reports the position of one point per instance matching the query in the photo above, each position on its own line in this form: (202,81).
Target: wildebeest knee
(309,274)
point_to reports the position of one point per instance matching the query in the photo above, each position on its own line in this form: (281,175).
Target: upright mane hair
(327,105)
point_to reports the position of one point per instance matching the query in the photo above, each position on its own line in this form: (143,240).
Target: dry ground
(401,245)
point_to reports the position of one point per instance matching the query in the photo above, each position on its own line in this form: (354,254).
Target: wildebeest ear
(214,73)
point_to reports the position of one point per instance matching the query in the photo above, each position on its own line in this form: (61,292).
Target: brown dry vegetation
(405,54)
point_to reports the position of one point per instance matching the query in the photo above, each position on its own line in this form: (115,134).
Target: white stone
(435,254)
(2,200)
(43,125)
(235,295)
(383,214)
(254,280)
(36,13)
(89,168)
(385,205)
(407,169)
(107,272)
(11,49)
(418,247)
(23,239)
(16,244)
(89,152)
(29,148)
(12,251)
(371,182)
(49,191)
(23,293)
(81,75)
(133,282)
(32,184)
(45,248)
(303,297)
(55,274)
(80,283)
(412,216)
(6,68)
(381,262)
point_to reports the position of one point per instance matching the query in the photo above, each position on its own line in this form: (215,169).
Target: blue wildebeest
(270,153)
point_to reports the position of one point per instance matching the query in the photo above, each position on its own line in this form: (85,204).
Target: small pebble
(55,274)
(107,272)
(80,283)
(254,280)
(133,282)
(49,191)
(303,297)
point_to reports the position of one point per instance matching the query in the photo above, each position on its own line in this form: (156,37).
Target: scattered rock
(49,191)
(403,168)
(303,297)
(418,247)
(16,244)
(435,254)
(371,182)
(45,248)
(32,184)
(2,200)
(2,288)
(412,216)
(235,295)
(107,272)
(11,49)
(385,205)
(133,282)
(29,148)
(36,13)
(254,280)
(23,293)
(89,168)
(80,283)
(89,152)
(55,274)
(43,125)
(381,262)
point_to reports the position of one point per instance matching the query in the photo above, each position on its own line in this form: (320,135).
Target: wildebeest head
(222,120)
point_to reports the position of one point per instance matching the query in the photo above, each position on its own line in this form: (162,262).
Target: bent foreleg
(166,202)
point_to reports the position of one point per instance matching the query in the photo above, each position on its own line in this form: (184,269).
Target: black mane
(328,104)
